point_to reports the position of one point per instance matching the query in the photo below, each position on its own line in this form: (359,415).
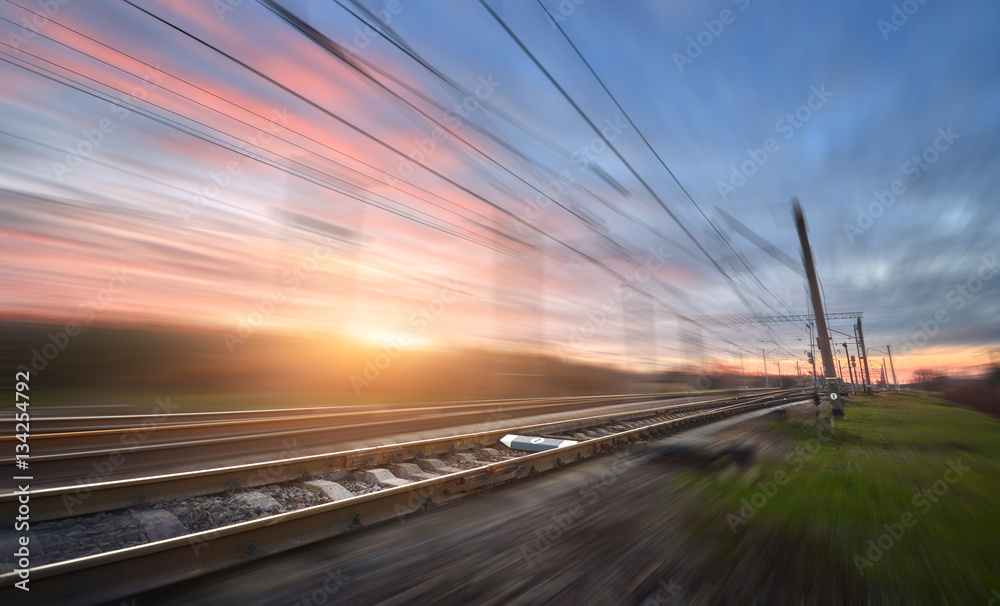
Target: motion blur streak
(281,200)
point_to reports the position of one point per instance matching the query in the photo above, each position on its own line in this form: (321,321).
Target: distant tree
(922,376)
(927,378)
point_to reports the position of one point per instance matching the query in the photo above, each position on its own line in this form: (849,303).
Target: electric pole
(857,369)
(888,350)
(891,367)
(829,371)
(864,358)
(854,386)
(766,383)
(812,354)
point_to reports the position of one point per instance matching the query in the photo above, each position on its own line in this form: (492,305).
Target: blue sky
(402,231)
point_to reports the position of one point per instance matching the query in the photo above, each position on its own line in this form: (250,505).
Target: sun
(382,337)
(376,336)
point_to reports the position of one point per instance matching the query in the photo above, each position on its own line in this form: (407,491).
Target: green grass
(863,475)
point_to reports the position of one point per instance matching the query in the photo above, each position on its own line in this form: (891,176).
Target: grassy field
(898,504)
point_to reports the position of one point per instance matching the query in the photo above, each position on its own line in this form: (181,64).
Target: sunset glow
(178,167)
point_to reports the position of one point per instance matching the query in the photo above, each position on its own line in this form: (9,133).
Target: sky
(576,177)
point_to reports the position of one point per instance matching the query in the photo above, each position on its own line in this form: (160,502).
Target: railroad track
(60,423)
(99,431)
(65,448)
(52,503)
(113,574)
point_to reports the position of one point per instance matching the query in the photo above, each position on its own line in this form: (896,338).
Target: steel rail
(110,576)
(92,441)
(82,499)
(140,445)
(129,421)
